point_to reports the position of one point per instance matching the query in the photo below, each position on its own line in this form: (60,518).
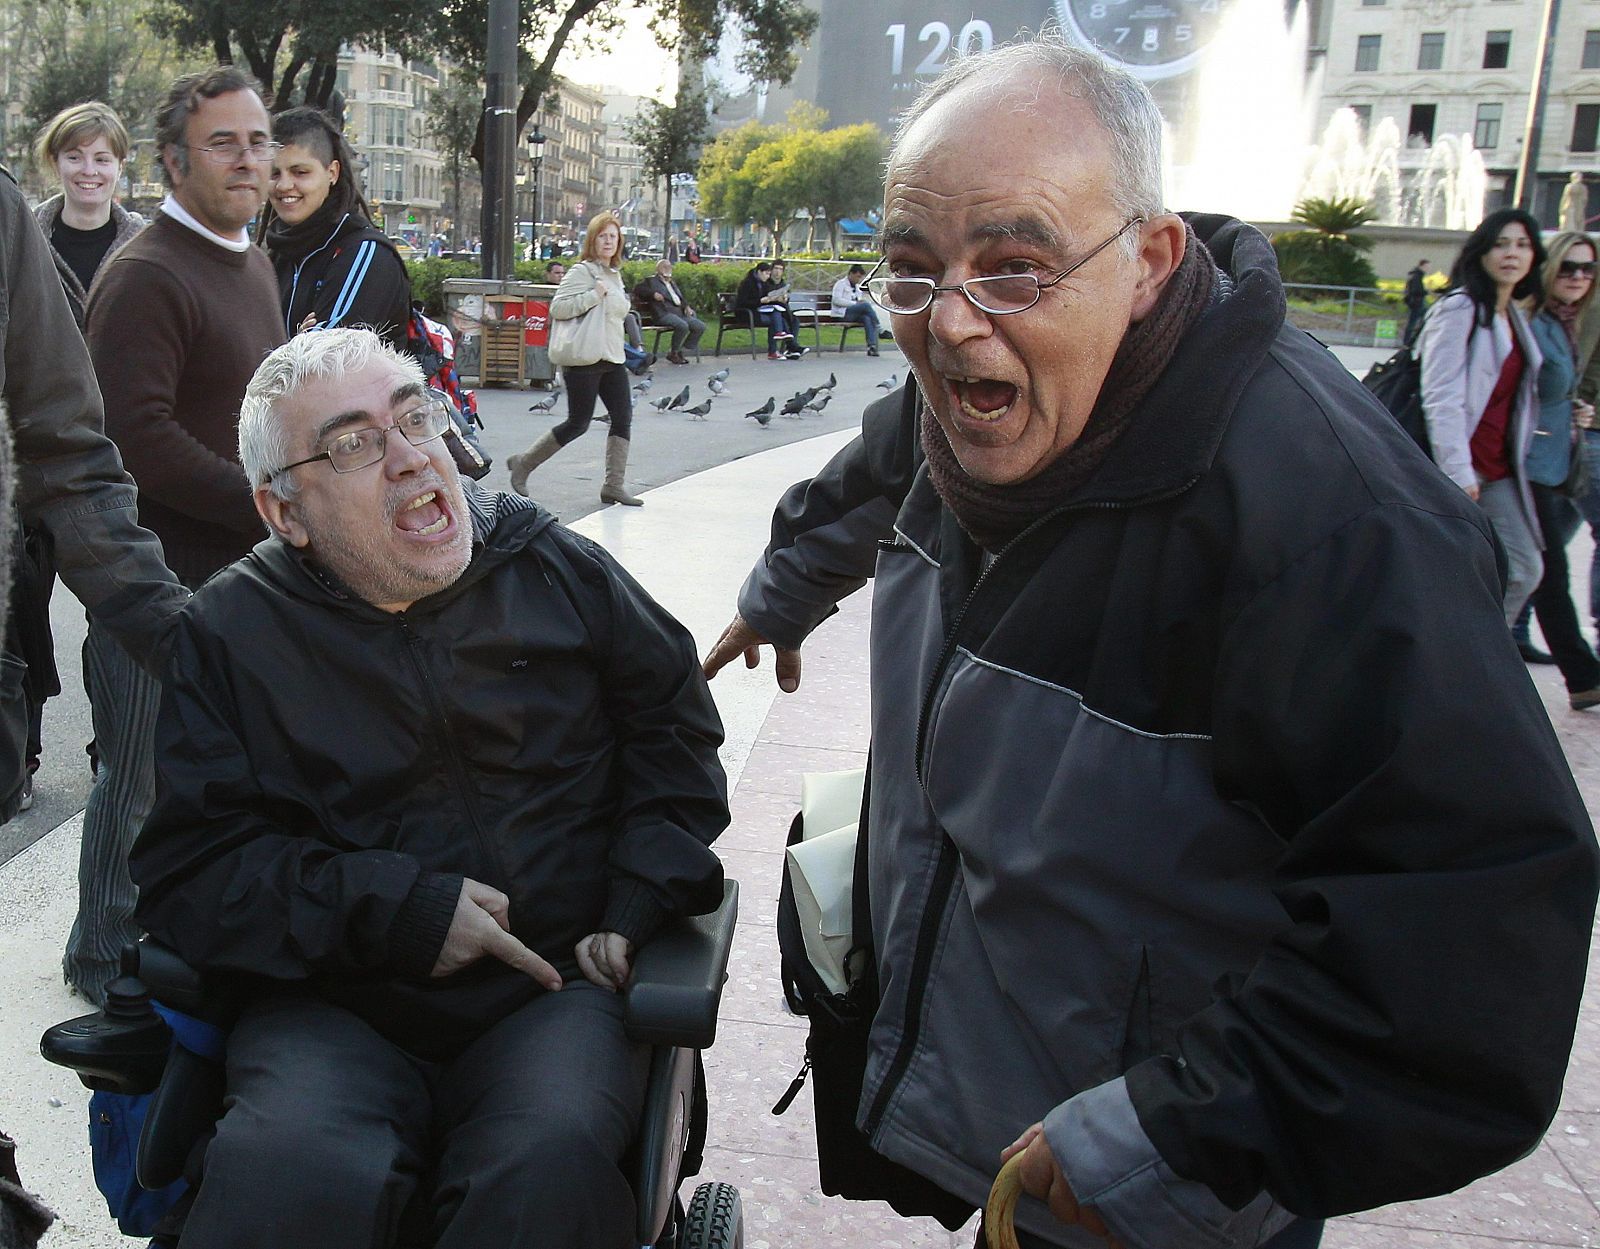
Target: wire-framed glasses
(354,449)
(229,153)
(999,296)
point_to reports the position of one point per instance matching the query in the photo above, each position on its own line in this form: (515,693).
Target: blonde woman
(85,147)
(1569,277)
(592,289)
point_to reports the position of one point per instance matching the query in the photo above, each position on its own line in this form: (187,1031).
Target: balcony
(374,96)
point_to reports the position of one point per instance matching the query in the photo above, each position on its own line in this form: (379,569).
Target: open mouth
(982,398)
(424,517)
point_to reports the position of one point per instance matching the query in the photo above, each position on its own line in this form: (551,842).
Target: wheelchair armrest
(170,980)
(676,987)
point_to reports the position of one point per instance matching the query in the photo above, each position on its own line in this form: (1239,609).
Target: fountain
(1245,149)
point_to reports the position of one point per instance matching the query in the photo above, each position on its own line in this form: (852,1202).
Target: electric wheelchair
(670,1003)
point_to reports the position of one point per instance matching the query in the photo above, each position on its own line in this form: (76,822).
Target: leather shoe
(1582,700)
(1531,654)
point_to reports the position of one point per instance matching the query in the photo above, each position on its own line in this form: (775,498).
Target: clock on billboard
(1154,38)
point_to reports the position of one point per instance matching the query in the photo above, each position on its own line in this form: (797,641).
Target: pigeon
(715,386)
(818,403)
(699,411)
(890,382)
(664,404)
(545,404)
(830,383)
(763,415)
(679,399)
(792,405)
(721,375)
(643,388)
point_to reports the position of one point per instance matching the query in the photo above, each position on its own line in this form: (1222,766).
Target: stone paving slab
(1550,1198)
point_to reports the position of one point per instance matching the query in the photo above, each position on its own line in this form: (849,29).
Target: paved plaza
(691,546)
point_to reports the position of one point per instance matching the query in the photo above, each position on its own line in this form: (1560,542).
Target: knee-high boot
(616,465)
(523,464)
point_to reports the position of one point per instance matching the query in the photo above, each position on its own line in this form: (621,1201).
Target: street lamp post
(536,142)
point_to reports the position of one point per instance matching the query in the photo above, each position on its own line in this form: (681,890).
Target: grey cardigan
(49,212)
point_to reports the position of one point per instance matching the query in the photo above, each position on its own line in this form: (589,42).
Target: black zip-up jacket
(1215,822)
(354,278)
(328,773)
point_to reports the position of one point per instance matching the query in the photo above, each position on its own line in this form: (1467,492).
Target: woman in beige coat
(592,290)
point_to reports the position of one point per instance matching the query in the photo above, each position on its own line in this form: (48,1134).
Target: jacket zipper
(458,770)
(944,872)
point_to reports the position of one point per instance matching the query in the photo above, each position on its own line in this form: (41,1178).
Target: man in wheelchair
(431,768)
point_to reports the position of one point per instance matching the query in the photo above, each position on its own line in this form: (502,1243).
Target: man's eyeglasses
(999,296)
(229,153)
(1576,268)
(354,449)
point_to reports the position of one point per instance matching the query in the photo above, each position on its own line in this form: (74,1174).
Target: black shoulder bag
(836,1054)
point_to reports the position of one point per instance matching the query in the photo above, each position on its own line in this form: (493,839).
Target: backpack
(434,349)
(1397,384)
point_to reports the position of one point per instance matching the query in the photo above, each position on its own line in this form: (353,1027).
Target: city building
(637,198)
(560,181)
(1444,68)
(386,115)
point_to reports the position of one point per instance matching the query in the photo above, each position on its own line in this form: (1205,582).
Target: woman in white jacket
(592,289)
(1480,368)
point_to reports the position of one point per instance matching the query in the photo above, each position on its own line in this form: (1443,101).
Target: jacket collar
(502,526)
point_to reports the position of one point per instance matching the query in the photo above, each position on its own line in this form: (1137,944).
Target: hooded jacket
(69,477)
(328,773)
(1214,821)
(353,277)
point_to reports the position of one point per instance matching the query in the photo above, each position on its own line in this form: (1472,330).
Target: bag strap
(860,962)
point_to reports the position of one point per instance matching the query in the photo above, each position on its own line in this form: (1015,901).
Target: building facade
(386,121)
(560,181)
(637,198)
(1466,68)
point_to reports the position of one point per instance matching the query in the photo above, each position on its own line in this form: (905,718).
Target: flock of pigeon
(796,406)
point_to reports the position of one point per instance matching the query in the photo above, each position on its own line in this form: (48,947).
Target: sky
(634,63)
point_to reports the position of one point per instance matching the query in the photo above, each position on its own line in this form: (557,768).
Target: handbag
(841,1022)
(579,340)
(1577,483)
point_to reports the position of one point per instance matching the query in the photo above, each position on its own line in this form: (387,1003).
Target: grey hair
(264,443)
(1120,103)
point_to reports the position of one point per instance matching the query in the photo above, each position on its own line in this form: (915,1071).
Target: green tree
(670,136)
(281,40)
(452,120)
(97,50)
(848,174)
(1330,253)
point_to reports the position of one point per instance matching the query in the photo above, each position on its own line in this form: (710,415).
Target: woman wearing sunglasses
(1569,276)
(1480,367)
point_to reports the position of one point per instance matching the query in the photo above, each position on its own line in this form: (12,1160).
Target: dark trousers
(778,321)
(1552,600)
(584,382)
(1413,323)
(333,1138)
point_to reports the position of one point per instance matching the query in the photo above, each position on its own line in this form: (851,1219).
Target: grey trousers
(333,1137)
(124,700)
(1524,554)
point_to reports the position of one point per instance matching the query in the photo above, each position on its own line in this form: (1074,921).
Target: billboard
(869,58)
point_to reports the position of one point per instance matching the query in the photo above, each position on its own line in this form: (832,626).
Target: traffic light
(411,218)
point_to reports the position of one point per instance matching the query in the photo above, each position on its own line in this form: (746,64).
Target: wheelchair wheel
(715,1219)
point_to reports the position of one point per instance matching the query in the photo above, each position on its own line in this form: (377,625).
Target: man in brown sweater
(177,323)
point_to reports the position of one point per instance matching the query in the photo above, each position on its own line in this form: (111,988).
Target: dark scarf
(295,243)
(992,515)
(1567,316)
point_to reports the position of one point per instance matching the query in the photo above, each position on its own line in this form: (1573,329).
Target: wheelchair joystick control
(122,1047)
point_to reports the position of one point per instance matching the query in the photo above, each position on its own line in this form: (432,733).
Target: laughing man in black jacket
(426,758)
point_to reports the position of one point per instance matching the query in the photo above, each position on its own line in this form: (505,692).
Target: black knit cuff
(632,911)
(422,923)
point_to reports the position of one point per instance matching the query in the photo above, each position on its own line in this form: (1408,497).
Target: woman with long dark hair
(592,294)
(334,266)
(1480,369)
(1569,280)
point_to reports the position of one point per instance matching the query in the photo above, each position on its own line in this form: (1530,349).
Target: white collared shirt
(179,213)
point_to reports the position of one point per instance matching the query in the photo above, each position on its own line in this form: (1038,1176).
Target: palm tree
(1330,253)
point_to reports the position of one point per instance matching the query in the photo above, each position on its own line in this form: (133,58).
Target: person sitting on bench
(425,758)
